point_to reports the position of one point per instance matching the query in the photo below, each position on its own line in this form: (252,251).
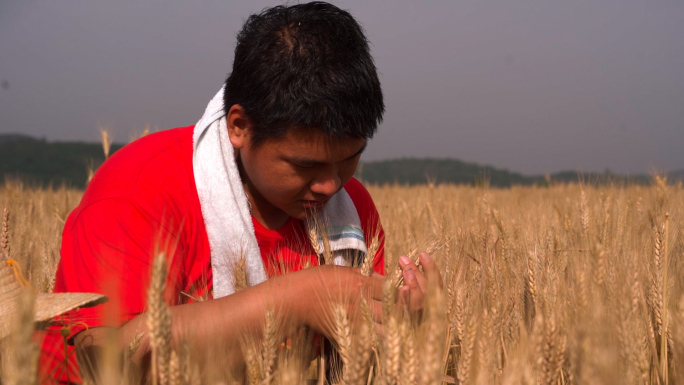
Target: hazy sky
(531,86)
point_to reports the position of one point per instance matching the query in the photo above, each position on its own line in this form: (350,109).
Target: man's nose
(326,184)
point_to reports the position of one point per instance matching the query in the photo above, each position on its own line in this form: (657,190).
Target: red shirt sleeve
(370,220)
(107,248)
(140,202)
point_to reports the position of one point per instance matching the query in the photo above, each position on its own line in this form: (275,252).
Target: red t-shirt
(142,200)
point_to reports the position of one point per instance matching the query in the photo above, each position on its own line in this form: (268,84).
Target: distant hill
(593,178)
(677,175)
(413,171)
(13,137)
(39,162)
(420,171)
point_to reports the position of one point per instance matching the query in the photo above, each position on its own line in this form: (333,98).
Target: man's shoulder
(153,163)
(363,202)
(370,219)
(357,191)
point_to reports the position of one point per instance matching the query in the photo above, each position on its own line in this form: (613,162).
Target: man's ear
(239,126)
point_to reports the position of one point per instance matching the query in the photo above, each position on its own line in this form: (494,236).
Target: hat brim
(47,307)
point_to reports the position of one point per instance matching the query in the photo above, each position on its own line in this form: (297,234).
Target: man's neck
(268,216)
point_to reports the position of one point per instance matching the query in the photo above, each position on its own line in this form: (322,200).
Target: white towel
(226,213)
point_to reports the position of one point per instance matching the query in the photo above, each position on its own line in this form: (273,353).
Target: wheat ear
(315,223)
(175,377)
(466,359)
(392,351)
(240,274)
(584,214)
(664,333)
(253,365)
(356,372)
(342,333)
(367,265)
(159,322)
(368,318)
(431,356)
(408,355)
(106,141)
(4,240)
(269,343)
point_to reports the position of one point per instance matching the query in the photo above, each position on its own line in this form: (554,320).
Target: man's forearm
(215,324)
(219,326)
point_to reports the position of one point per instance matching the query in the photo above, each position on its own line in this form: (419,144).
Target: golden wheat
(567,284)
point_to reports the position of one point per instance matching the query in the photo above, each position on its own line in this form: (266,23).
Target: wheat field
(563,284)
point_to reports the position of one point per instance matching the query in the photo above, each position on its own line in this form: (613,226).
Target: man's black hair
(305,65)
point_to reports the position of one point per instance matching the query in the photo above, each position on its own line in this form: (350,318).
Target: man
(277,145)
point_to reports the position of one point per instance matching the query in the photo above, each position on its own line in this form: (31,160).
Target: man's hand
(334,285)
(415,290)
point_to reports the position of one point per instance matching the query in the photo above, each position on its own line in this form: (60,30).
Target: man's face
(286,177)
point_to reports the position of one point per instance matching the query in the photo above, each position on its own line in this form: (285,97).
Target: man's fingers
(407,264)
(404,295)
(430,269)
(416,298)
(411,279)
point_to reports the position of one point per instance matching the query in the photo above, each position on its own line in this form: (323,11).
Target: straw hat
(47,306)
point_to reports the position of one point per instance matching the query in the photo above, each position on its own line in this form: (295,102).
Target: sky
(529,86)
